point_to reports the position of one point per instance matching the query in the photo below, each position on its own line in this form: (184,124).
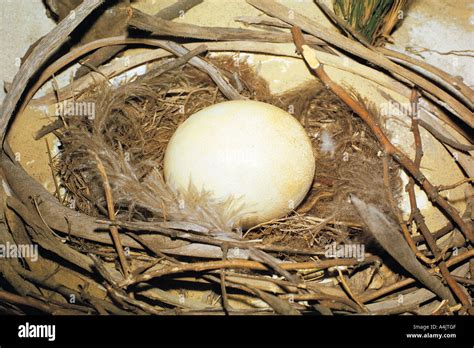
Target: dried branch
(161,27)
(235,263)
(415,212)
(277,10)
(388,236)
(409,281)
(111,211)
(310,57)
(40,54)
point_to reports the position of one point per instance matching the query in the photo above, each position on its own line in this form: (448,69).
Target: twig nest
(250,151)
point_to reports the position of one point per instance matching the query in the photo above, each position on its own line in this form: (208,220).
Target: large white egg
(252,151)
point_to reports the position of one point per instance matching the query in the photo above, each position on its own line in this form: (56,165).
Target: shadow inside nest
(134,121)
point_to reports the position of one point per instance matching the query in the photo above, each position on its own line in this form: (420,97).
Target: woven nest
(118,240)
(125,143)
(135,121)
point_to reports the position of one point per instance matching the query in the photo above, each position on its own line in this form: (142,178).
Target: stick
(389,238)
(453,84)
(40,54)
(396,212)
(444,139)
(275,9)
(415,212)
(235,263)
(110,207)
(310,57)
(405,282)
(161,27)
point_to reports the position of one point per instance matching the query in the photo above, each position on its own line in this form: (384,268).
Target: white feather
(327,143)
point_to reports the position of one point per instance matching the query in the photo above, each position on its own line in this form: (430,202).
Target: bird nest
(113,162)
(134,122)
(118,240)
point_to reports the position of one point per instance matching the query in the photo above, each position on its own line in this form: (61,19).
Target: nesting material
(135,122)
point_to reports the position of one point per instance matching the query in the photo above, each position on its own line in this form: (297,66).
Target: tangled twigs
(367,297)
(395,209)
(398,215)
(43,306)
(239,263)
(386,233)
(418,217)
(311,59)
(170,46)
(110,208)
(275,9)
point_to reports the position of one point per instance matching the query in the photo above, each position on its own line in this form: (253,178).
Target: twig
(453,84)
(170,46)
(459,183)
(225,301)
(129,62)
(110,207)
(398,215)
(239,263)
(389,238)
(349,291)
(275,9)
(40,54)
(119,294)
(444,139)
(408,281)
(416,213)
(163,27)
(310,56)
(273,22)
(8,297)
(436,235)
(464,280)
(420,222)
(261,256)
(55,180)
(158,227)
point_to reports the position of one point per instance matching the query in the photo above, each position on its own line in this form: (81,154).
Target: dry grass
(135,121)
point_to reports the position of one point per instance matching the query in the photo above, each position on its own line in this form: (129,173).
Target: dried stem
(275,9)
(416,213)
(110,208)
(311,58)
(409,281)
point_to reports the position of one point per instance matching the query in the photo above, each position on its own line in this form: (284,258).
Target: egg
(254,152)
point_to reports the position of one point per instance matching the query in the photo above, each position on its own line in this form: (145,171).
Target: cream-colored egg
(252,151)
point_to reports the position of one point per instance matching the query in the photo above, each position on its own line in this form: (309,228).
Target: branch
(310,57)
(40,54)
(161,27)
(389,238)
(275,9)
